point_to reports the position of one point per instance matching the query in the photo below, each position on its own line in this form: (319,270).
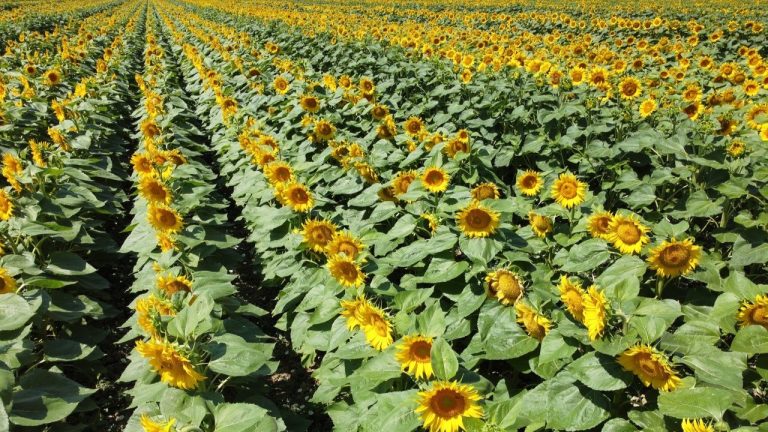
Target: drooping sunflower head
(346,271)
(536,325)
(486,190)
(278,172)
(297,197)
(318,233)
(414,355)
(402,181)
(568,191)
(435,179)
(445,405)
(154,191)
(476,220)
(164,218)
(754,312)
(414,126)
(377,327)
(7,282)
(173,366)
(310,103)
(353,310)
(696,425)
(599,224)
(345,243)
(674,258)
(630,88)
(6,205)
(171,284)
(572,296)
(148,308)
(505,286)
(540,224)
(529,182)
(627,234)
(595,311)
(651,366)
(150,425)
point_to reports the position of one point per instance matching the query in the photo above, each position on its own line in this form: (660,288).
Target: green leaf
(15,312)
(621,280)
(600,372)
(69,264)
(443,270)
(618,425)
(45,397)
(66,350)
(584,256)
(232,355)
(718,367)
(751,339)
(184,407)
(194,320)
(242,417)
(565,404)
(444,361)
(698,402)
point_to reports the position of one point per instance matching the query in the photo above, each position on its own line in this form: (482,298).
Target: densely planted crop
(465,216)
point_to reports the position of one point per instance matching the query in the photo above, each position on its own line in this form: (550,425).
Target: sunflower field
(433,215)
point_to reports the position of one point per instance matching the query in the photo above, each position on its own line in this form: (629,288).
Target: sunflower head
(572,296)
(647,107)
(281,85)
(310,103)
(324,130)
(377,327)
(52,77)
(173,366)
(476,220)
(414,126)
(150,425)
(651,366)
(414,355)
(568,191)
(318,233)
(630,88)
(164,218)
(536,325)
(154,191)
(346,271)
(599,224)
(142,163)
(754,312)
(6,205)
(595,311)
(674,258)
(7,282)
(627,234)
(445,405)
(529,182)
(541,225)
(486,190)
(456,146)
(402,181)
(344,243)
(297,197)
(696,425)
(149,308)
(504,285)
(352,311)
(435,179)
(379,111)
(278,172)
(170,284)
(736,148)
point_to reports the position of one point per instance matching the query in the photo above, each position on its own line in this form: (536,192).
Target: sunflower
(281,85)
(541,225)
(150,425)
(630,88)
(456,146)
(432,221)
(476,220)
(164,218)
(11,169)
(751,312)
(692,93)
(345,270)
(568,191)
(352,311)
(6,205)
(366,86)
(376,326)
(627,234)
(37,155)
(142,163)
(694,110)
(504,285)
(7,282)
(595,311)
(154,191)
(529,182)
(578,76)
(757,116)
(52,77)
(414,355)
(174,367)
(466,76)
(310,104)
(486,190)
(695,426)
(297,197)
(379,111)
(599,224)
(278,172)
(148,307)
(344,243)
(651,366)
(674,258)
(598,76)
(572,296)
(435,179)
(537,326)
(170,284)
(736,148)
(324,130)
(150,129)
(445,405)
(165,242)
(414,126)
(318,233)
(647,107)
(402,181)
(764,133)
